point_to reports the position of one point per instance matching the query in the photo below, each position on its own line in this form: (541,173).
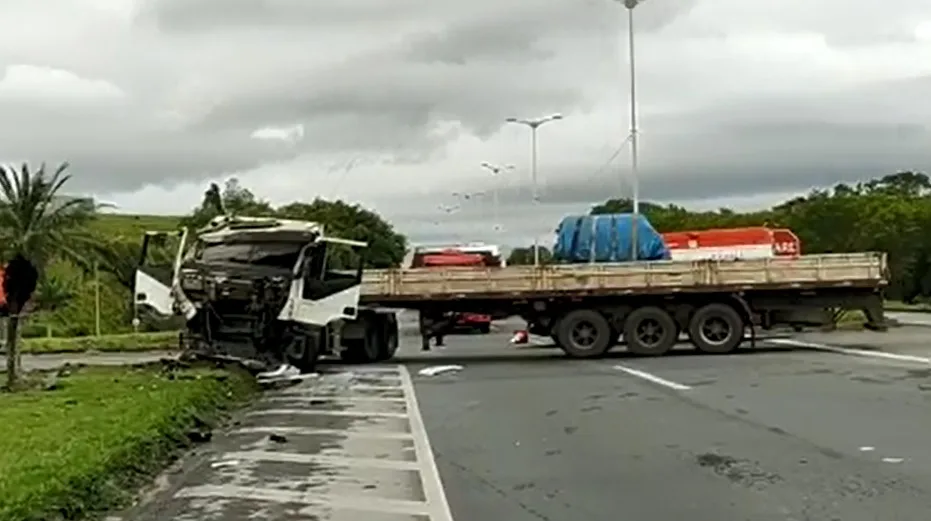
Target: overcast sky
(395,103)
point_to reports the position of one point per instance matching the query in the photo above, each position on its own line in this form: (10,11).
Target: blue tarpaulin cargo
(606,238)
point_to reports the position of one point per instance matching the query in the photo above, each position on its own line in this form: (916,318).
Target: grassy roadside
(893,305)
(104,343)
(100,433)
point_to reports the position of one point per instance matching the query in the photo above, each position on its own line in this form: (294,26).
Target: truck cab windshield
(271,254)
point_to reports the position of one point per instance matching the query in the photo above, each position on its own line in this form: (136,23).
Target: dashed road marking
(849,351)
(322,449)
(652,378)
(325,412)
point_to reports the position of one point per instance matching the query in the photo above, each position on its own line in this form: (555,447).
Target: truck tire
(484,329)
(367,349)
(583,333)
(388,345)
(302,352)
(716,329)
(650,331)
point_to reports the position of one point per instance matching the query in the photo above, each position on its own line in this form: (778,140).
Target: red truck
(457,258)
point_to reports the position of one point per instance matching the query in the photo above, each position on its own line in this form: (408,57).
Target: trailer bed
(867,269)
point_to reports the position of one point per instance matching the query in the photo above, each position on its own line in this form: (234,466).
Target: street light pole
(495,170)
(534,124)
(634,137)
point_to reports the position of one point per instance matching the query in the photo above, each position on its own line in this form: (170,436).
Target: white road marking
(305,397)
(358,449)
(335,461)
(312,431)
(867,449)
(653,378)
(327,412)
(371,504)
(849,351)
(430,475)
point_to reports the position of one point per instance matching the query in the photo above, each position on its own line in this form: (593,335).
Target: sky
(395,104)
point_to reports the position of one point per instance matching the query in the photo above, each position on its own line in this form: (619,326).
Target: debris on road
(224,463)
(278,438)
(439,369)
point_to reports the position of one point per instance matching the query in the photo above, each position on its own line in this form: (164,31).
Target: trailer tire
(650,331)
(716,329)
(583,333)
(390,337)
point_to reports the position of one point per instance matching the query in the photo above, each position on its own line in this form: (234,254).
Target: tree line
(106,250)
(891,214)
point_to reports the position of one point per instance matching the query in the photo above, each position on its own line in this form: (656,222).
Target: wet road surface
(524,434)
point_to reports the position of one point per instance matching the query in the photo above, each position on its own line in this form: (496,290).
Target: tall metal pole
(97,300)
(533,177)
(534,124)
(634,138)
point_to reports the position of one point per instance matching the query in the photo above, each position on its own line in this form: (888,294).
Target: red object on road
(520,337)
(732,243)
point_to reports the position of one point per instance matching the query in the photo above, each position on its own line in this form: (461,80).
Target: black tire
(367,349)
(650,331)
(716,329)
(583,333)
(303,351)
(484,329)
(390,338)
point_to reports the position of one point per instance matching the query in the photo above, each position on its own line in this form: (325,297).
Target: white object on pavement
(439,369)
(284,371)
(224,463)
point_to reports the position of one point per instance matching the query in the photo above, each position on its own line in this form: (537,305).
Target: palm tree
(38,224)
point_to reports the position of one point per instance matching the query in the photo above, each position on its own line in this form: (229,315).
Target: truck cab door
(157,272)
(328,283)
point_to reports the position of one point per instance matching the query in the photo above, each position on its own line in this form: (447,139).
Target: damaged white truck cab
(266,291)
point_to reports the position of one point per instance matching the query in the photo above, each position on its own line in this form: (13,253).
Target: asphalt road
(523,434)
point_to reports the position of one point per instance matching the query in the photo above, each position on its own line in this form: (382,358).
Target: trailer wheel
(650,331)
(716,329)
(390,338)
(583,333)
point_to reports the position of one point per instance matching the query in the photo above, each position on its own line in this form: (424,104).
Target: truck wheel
(716,328)
(583,333)
(365,350)
(389,341)
(302,352)
(484,329)
(650,331)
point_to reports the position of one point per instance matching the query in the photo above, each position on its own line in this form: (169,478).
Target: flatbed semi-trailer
(267,290)
(587,308)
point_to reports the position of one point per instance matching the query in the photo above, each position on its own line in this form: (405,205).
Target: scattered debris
(520,337)
(439,369)
(224,463)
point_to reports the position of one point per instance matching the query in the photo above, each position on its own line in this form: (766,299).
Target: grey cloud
(373,102)
(186,16)
(521,30)
(113,151)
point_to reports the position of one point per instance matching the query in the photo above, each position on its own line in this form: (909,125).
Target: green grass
(892,305)
(133,226)
(104,343)
(91,443)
